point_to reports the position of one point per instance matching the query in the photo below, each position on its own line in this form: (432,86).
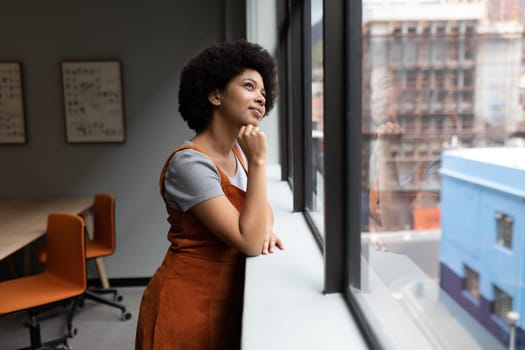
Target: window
(440,78)
(504,225)
(411,79)
(395,50)
(315,173)
(412,29)
(467,121)
(502,304)
(467,96)
(440,29)
(397,163)
(468,78)
(471,281)
(397,31)
(422,214)
(409,45)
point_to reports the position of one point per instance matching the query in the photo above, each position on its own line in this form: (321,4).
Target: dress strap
(240,157)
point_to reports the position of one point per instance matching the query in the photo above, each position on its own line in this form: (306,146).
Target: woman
(217,209)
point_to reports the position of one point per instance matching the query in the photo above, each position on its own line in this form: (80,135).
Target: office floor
(99,326)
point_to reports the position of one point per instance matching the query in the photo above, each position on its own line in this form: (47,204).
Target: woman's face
(243,100)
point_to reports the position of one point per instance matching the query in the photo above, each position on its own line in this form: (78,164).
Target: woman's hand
(388,137)
(270,242)
(253,143)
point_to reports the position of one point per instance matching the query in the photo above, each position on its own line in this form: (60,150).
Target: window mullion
(335,93)
(298,101)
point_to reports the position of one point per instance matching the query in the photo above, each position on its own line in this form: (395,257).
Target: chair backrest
(104,220)
(65,247)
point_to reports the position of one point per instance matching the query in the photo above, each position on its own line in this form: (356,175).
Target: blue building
(482,249)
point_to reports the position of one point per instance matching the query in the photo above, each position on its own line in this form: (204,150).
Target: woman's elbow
(252,251)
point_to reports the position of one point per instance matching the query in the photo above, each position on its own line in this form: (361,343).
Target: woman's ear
(215,98)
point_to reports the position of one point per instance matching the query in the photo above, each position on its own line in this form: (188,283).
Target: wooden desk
(23,220)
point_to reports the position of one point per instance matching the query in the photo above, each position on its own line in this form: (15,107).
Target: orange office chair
(63,278)
(102,244)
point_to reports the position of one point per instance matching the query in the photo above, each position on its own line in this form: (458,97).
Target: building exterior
(504,10)
(445,73)
(497,82)
(482,248)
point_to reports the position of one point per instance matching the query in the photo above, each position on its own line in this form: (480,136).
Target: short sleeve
(191,178)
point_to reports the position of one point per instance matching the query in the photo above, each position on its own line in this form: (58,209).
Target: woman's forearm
(254,217)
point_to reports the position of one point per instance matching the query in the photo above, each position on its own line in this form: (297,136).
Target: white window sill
(285,308)
(284,304)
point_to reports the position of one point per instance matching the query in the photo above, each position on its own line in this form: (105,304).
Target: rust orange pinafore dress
(194,299)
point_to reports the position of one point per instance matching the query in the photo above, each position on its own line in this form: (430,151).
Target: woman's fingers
(253,143)
(279,243)
(270,242)
(389,128)
(250,131)
(266,243)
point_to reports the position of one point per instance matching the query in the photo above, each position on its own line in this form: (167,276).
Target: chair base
(94,295)
(59,343)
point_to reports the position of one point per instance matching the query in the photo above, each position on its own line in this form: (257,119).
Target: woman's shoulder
(190,178)
(191,162)
(187,154)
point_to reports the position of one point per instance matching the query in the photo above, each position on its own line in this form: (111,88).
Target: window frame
(342,47)
(500,292)
(343,138)
(285,87)
(472,279)
(505,228)
(342,44)
(308,202)
(298,102)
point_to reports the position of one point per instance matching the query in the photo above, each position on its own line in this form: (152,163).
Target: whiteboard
(93,101)
(12,116)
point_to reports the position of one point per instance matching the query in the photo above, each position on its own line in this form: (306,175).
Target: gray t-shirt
(192,178)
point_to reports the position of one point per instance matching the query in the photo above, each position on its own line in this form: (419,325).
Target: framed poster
(12,114)
(93,101)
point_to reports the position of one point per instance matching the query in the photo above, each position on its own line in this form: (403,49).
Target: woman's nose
(260,99)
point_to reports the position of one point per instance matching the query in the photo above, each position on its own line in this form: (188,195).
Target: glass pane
(502,304)
(472,282)
(443,190)
(317,173)
(504,230)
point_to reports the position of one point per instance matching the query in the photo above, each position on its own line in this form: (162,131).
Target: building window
(504,223)
(468,78)
(472,281)
(502,304)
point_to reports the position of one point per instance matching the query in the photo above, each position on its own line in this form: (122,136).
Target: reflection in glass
(443,189)
(317,173)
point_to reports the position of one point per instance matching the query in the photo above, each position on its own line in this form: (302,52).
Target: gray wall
(153,40)
(262,28)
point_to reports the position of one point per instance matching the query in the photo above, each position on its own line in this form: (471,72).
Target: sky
(317,10)
(317,6)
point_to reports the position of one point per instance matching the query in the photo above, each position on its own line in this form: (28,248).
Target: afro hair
(213,69)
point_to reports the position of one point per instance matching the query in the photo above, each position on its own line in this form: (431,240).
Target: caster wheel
(118,298)
(72,332)
(126,316)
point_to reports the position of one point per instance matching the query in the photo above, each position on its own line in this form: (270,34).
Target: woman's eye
(249,85)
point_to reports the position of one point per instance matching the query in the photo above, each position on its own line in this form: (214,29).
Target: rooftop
(509,157)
